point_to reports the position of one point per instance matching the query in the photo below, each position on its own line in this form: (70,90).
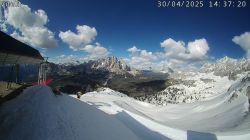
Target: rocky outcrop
(111,64)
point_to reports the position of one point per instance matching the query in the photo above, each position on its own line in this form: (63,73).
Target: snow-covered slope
(38,114)
(223,116)
(212,79)
(190,87)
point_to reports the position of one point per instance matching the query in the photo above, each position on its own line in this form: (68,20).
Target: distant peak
(112,64)
(227,66)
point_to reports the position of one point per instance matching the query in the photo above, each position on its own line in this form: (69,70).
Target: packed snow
(39,114)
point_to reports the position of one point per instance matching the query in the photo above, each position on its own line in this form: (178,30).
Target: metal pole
(17,73)
(43,75)
(39,74)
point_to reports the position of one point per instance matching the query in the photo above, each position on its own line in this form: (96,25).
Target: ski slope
(224,116)
(39,114)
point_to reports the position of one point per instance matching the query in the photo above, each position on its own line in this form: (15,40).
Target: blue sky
(122,24)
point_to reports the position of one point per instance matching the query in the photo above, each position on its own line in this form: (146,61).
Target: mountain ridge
(227,66)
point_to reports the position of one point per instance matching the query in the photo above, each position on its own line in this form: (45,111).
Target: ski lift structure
(42,74)
(14,53)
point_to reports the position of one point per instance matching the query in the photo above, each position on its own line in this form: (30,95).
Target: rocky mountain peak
(112,64)
(227,66)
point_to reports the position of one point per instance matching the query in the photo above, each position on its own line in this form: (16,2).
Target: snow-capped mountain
(191,88)
(227,66)
(111,64)
(214,78)
(111,72)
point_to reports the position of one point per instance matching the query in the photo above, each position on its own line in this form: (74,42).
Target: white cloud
(3,27)
(36,36)
(144,54)
(72,59)
(95,51)
(82,41)
(244,42)
(173,49)
(20,17)
(30,26)
(198,49)
(195,50)
(1,11)
(139,63)
(179,55)
(134,50)
(176,55)
(84,36)
(141,59)
(68,59)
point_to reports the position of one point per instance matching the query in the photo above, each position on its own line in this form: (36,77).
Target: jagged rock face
(109,64)
(112,64)
(227,67)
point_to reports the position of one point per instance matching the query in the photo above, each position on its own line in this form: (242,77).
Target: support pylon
(42,72)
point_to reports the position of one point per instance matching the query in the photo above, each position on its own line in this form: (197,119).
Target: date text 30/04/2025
(201,4)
